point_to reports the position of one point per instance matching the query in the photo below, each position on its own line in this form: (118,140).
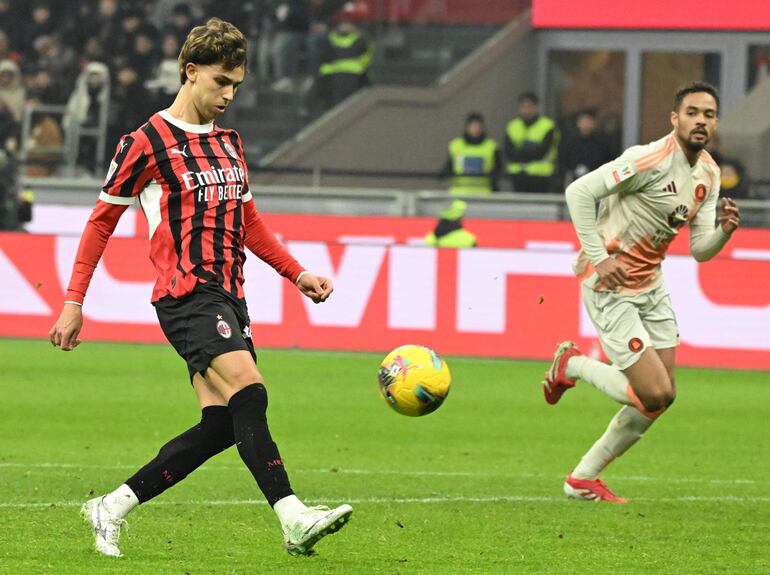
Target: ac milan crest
(223,328)
(229,149)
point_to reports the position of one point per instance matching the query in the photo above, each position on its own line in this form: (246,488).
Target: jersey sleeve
(129,172)
(706,237)
(623,174)
(705,218)
(235,140)
(262,243)
(99,228)
(582,196)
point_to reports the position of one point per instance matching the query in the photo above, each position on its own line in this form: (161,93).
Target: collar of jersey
(186,126)
(679,149)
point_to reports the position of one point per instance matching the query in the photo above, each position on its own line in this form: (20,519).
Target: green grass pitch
(472,488)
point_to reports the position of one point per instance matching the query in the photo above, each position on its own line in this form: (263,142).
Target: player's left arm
(706,240)
(262,243)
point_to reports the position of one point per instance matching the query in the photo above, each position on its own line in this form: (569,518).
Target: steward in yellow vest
(346,56)
(531,147)
(449,232)
(474,162)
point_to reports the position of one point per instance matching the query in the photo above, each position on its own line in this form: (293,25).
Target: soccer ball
(414,380)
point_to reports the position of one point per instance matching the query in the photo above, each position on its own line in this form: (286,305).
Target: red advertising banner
(660,15)
(432,12)
(513,297)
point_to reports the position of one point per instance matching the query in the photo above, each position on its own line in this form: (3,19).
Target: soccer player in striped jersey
(644,198)
(190,178)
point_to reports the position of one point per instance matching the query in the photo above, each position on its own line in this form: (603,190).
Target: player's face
(213,88)
(696,120)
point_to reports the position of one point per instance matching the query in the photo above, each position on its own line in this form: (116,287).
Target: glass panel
(759,65)
(588,80)
(584,95)
(663,73)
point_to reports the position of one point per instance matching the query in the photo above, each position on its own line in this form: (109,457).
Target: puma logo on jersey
(182,152)
(670,189)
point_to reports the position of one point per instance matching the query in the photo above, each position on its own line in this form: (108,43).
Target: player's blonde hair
(215,42)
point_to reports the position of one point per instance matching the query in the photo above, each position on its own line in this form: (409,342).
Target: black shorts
(205,324)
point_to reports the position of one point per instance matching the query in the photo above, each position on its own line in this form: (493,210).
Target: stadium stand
(75,74)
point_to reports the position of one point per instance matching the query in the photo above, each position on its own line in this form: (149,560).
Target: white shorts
(628,324)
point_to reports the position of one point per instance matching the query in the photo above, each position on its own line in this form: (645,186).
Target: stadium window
(758,65)
(588,79)
(662,75)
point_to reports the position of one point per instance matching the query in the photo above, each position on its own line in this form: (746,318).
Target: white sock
(120,501)
(625,429)
(287,509)
(602,376)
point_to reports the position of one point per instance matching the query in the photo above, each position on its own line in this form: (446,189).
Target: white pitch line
(405,473)
(412,500)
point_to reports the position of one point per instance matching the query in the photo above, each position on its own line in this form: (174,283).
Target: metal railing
(62,157)
(388,202)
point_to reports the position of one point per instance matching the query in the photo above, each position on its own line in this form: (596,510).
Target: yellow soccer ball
(414,380)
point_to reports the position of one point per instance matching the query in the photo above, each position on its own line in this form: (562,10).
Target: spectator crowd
(116,61)
(109,64)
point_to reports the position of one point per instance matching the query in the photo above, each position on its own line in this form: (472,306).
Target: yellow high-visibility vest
(456,239)
(357,65)
(518,133)
(472,166)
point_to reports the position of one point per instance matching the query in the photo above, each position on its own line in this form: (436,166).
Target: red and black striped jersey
(192,184)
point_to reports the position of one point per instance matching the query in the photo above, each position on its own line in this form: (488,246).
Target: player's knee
(658,399)
(243,377)
(668,395)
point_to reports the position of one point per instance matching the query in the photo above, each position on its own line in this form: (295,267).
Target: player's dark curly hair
(215,42)
(694,88)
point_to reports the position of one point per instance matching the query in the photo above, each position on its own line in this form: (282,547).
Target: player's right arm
(128,175)
(584,194)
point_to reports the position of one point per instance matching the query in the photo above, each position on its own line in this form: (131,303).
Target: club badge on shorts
(223,328)
(635,344)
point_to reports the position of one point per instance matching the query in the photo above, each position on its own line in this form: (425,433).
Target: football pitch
(472,488)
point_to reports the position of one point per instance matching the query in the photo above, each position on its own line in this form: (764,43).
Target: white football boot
(311,525)
(105,525)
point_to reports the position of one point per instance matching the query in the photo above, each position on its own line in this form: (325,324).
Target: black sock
(184,454)
(248,409)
